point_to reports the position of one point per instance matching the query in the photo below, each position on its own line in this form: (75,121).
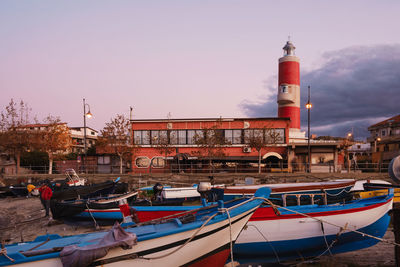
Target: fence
(220,168)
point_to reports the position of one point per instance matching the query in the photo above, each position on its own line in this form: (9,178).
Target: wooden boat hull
(272,238)
(291,235)
(156,242)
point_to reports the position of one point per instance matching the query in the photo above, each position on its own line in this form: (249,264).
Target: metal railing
(217,168)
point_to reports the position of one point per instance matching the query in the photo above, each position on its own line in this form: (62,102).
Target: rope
(185,212)
(334,195)
(91,215)
(266,239)
(184,244)
(199,229)
(328,247)
(3,252)
(326,241)
(230,234)
(339,226)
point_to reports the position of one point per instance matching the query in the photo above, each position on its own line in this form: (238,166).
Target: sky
(201,59)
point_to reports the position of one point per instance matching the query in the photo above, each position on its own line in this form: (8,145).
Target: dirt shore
(22,219)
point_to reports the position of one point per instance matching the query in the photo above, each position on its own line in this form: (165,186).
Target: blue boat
(278,234)
(301,232)
(200,238)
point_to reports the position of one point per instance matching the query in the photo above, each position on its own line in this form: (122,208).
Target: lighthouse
(289,87)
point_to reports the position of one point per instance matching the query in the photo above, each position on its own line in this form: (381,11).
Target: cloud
(352,89)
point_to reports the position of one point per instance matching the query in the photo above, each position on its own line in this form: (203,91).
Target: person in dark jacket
(45,196)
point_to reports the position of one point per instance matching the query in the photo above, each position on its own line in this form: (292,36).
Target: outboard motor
(204,188)
(157,190)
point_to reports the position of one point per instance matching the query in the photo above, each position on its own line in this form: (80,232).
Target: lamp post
(308,107)
(348,143)
(376,139)
(89,115)
(376,154)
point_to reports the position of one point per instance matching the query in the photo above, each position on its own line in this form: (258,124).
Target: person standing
(45,196)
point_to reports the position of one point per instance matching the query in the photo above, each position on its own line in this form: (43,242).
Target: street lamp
(377,139)
(88,115)
(308,107)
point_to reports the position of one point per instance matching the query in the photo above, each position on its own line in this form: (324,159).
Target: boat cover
(75,256)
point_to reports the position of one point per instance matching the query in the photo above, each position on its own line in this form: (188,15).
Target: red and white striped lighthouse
(289,86)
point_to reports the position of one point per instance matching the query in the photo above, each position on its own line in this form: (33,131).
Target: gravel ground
(22,219)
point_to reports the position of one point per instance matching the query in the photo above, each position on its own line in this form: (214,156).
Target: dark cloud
(352,89)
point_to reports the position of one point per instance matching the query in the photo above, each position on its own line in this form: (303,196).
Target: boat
(202,238)
(277,234)
(72,178)
(300,232)
(166,207)
(61,210)
(372,188)
(335,191)
(171,194)
(67,192)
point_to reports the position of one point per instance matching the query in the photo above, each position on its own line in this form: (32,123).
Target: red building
(171,143)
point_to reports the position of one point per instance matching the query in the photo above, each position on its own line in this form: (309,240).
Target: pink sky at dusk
(190,58)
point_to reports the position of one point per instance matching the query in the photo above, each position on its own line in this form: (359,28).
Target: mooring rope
(266,239)
(230,234)
(91,215)
(333,224)
(184,244)
(202,226)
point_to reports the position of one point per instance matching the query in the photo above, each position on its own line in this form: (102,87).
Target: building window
(92,133)
(383,133)
(155,139)
(190,136)
(237,137)
(142,162)
(141,137)
(271,136)
(284,89)
(158,162)
(173,137)
(229,136)
(275,136)
(103,160)
(182,137)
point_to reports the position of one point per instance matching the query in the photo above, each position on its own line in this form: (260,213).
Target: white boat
(300,232)
(203,238)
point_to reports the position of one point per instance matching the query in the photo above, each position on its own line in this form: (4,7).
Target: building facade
(178,144)
(78,137)
(385,140)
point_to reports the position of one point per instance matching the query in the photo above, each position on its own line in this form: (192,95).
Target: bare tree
(260,138)
(14,139)
(116,138)
(54,138)
(163,145)
(211,143)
